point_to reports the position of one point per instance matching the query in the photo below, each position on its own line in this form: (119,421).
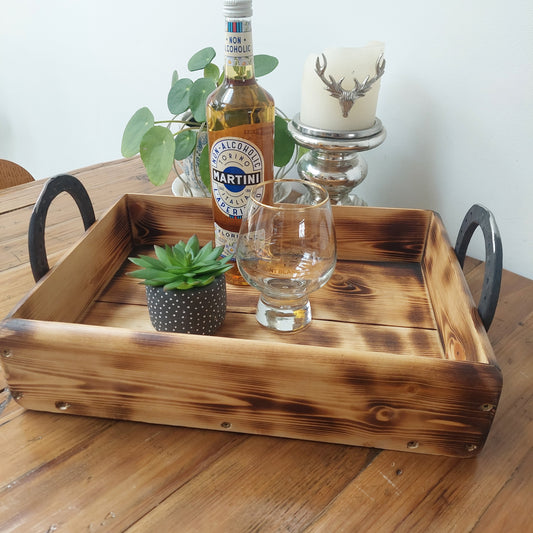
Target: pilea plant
(162,143)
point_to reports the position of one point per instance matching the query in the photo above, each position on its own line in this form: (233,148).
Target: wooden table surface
(69,473)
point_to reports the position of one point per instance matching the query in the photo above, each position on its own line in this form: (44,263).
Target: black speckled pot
(200,310)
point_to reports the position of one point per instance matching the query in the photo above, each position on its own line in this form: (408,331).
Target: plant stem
(192,123)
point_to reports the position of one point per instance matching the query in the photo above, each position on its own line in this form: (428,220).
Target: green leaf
(157,153)
(162,255)
(204,167)
(204,252)
(193,245)
(179,253)
(175,77)
(212,71)
(283,142)
(178,96)
(264,64)
(201,59)
(185,143)
(138,125)
(152,274)
(145,261)
(198,94)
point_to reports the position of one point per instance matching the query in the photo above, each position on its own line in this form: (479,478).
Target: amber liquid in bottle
(240,123)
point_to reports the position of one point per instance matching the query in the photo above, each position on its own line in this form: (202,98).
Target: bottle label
(239,51)
(227,239)
(236,166)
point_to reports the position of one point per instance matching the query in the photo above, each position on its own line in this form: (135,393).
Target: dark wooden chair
(12,174)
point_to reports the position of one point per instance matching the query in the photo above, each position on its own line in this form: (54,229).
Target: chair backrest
(12,174)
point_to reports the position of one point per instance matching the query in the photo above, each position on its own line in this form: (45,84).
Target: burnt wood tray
(396,357)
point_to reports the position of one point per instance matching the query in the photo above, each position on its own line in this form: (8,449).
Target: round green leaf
(178,96)
(201,59)
(283,142)
(212,71)
(198,94)
(204,167)
(157,153)
(264,64)
(185,143)
(138,125)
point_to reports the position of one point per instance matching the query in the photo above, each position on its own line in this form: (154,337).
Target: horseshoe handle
(52,188)
(480,216)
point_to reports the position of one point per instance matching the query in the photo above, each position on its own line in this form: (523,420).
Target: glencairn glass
(286,249)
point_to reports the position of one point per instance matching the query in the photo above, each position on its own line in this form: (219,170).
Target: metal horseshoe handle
(53,187)
(480,216)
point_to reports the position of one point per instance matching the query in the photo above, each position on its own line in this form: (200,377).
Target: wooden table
(69,473)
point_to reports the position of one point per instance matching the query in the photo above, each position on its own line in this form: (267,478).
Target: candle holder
(333,160)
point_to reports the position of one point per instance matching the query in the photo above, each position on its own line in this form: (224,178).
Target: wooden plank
(20,281)
(391,294)
(260,495)
(380,234)
(84,272)
(102,180)
(443,494)
(63,224)
(363,233)
(462,332)
(40,438)
(59,234)
(347,312)
(163,219)
(327,333)
(508,511)
(72,490)
(333,395)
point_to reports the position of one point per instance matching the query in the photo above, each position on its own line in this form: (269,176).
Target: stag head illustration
(348,98)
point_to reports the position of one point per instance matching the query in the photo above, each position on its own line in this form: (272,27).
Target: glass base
(284,318)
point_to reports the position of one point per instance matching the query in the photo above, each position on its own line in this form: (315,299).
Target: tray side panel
(363,233)
(381,234)
(405,403)
(66,292)
(167,219)
(463,336)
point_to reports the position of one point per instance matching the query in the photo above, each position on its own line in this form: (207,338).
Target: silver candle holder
(334,159)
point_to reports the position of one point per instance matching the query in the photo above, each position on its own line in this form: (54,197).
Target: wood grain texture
(51,494)
(264,505)
(462,332)
(84,272)
(317,385)
(85,474)
(363,233)
(334,395)
(327,333)
(445,494)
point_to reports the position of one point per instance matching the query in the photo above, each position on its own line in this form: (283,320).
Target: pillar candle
(319,109)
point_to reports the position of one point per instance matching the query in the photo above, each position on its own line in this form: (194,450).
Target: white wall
(455,98)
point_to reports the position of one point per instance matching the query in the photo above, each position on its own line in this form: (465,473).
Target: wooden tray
(396,356)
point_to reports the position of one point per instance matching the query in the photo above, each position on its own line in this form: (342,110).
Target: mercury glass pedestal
(333,159)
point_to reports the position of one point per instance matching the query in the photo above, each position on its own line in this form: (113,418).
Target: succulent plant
(182,266)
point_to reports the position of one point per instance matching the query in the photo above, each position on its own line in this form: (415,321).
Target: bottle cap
(238,8)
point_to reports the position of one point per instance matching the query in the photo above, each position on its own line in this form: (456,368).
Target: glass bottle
(240,123)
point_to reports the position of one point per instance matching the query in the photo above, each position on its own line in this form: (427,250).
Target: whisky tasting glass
(286,249)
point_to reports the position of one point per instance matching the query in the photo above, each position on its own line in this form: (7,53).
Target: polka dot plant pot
(200,310)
